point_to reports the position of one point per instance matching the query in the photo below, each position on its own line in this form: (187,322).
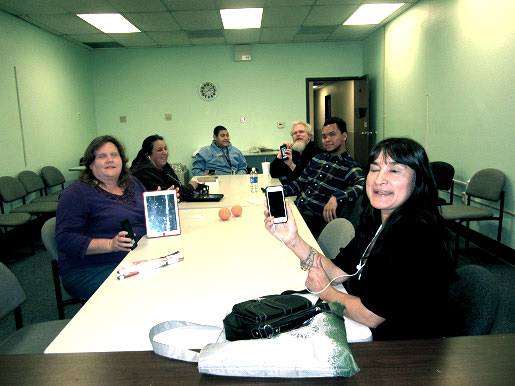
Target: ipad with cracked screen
(161,213)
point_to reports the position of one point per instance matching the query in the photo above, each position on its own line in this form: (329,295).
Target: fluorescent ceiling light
(241,18)
(372,13)
(109,22)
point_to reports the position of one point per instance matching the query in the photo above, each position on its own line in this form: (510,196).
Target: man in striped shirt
(330,179)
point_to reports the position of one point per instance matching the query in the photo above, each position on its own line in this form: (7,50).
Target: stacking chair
(11,190)
(336,234)
(473,301)
(52,177)
(444,174)
(33,183)
(31,339)
(486,184)
(48,238)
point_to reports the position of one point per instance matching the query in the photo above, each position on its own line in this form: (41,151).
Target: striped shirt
(323,177)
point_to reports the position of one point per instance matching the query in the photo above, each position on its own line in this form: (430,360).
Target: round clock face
(208,91)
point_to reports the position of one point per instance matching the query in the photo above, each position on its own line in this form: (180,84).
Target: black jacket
(279,169)
(151,177)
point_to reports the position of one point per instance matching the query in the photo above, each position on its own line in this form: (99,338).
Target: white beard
(299,146)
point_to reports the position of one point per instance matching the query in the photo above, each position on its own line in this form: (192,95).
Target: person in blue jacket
(220,157)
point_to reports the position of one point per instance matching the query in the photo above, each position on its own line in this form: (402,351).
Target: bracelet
(307,263)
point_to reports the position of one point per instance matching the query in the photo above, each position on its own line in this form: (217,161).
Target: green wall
(449,84)
(55,83)
(145,84)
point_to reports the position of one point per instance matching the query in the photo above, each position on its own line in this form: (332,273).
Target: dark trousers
(315,223)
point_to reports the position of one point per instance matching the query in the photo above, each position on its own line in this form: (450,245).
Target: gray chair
(52,177)
(48,238)
(443,173)
(336,234)
(32,339)
(486,184)
(473,299)
(12,190)
(33,183)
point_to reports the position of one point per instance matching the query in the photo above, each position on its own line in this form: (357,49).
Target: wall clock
(208,91)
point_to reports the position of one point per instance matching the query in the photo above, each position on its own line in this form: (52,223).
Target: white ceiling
(167,23)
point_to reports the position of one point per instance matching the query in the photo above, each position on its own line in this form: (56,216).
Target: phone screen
(276,204)
(283,151)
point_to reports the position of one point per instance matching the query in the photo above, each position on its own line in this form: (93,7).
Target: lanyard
(226,156)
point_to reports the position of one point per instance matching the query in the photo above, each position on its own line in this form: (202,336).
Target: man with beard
(299,153)
(328,181)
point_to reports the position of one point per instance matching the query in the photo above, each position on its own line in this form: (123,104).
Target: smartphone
(127,227)
(276,204)
(283,151)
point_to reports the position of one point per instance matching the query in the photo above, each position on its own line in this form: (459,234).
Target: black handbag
(268,316)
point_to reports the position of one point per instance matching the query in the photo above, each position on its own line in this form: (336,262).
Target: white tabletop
(225,262)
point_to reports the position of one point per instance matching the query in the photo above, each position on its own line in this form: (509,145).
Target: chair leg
(17,317)
(58,292)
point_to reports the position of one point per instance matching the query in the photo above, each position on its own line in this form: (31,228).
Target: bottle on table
(253,180)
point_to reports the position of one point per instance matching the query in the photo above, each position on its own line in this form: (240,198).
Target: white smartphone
(275,203)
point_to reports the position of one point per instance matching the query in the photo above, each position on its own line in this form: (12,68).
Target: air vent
(103,44)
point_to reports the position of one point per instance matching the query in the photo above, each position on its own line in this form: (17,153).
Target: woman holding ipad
(397,266)
(90,213)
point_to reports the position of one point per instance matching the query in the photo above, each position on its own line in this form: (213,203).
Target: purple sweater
(86,212)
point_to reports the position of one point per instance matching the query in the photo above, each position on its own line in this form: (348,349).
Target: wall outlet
(280,125)
(78,116)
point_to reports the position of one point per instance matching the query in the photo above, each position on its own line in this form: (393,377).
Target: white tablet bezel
(173,195)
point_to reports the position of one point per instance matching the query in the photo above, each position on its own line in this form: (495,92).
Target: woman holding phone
(398,266)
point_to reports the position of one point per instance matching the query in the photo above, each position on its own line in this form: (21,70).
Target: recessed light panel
(241,18)
(109,22)
(372,13)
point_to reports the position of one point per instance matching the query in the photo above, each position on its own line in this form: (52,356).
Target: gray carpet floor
(35,275)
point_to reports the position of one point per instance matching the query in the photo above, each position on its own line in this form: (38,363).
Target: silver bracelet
(307,263)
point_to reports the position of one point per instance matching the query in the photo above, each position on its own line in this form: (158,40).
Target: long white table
(236,190)
(225,262)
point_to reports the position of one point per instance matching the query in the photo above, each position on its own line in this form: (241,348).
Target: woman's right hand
(121,243)
(286,232)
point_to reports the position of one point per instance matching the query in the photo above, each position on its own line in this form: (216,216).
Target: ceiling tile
(138,5)
(153,21)
(17,7)
(284,16)
(192,20)
(288,3)
(67,24)
(86,6)
(223,4)
(169,38)
(311,37)
(241,36)
(136,39)
(91,38)
(207,41)
(352,32)
(329,15)
(278,34)
(189,5)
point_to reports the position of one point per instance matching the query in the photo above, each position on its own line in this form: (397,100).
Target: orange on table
(224,214)
(236,210)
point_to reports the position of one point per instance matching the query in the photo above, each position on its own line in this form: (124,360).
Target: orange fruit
(224,214)
(236,210)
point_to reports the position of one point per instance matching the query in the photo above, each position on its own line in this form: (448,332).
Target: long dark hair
(146,149)
(124,180)
(422,202)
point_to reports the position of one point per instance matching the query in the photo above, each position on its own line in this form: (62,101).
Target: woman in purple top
(89,236)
